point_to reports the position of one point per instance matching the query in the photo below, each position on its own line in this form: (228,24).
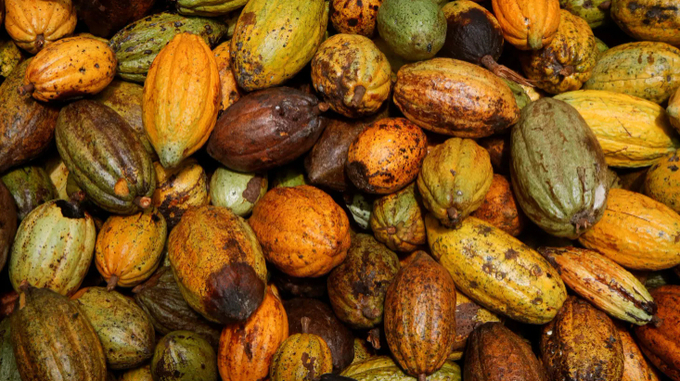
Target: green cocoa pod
(8,364)
(10,56)
(208,8)
(595,12)
(521,97)
(414,29)
(184,356)
(360,207)
(358,286)
(454,180)
(397,220)
(53,248)
(125,98)
(137,44)
(290,175)
(237,191)
(123,328)
(30,186)
(558,169)
(105,157)
(601,46)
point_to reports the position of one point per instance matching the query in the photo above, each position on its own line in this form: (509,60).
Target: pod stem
(40,41)
(25,89)
(567,70)
(374,338)
(422,377)
(142,202)
(504,71)
(305,324)
(113,281)
(605,6)
(323,106)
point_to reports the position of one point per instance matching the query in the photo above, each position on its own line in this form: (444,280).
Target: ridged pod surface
(649,70)
(184,355)
(500,208)
(53,340)
(455,177)
(420,316)
(246,349)
(495,353)
(69,68)
(352,75)
(636,232)
(275,39)
(528,24)
(498,271)
(229,90)
(30,186)
(383,368)
(455,98)
(635,366)
(397,220)
(632,131)
(661,344)
(302,230)
(662,181)
(34,24)
(558,169)
(648,20)
(179,189)
(116,173)
(569,354)
(673,109)
(208,8)
(604,283)
(218,264)
(181,98)
(53,248)
(123,328)
(130,248)
(300,357)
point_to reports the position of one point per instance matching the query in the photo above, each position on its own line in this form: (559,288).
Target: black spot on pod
(234,293)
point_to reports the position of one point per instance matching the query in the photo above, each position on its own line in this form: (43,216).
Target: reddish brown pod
(661,342)
(267,129)
(386,156)
(420,316)
(500,209)
(495,353)
(635,365)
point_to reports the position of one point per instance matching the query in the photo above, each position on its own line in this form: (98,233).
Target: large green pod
(105,156)
(123,328)
(397,220)
(30,186)
(558,169)
(208,8)
(8,364)
(139,43)
(53,248)
(184,356)
(53,340)
(275,39)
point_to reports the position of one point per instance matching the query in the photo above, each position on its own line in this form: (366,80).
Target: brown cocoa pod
(495,353)
(267,129)
(294,287)
(660,342)
(323,323)
(325,164)
(500,208)
(581,344)
(499,152)
(469,316)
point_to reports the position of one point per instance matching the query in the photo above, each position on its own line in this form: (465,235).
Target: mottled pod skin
(246,349)
(8,224)
(383,367)
(352,75)
(386,156)
(30,186)
(179,189)
(633,132)
(300,357)
(558,169)
(69,68)
(593,277)
(567,62)
(469,316)
(130,248)
(186,356)
(455,98)
(645,69)
(570,355)
(53,248)
(181,98)
(26,125)
(662,181)
(673,109)
(357,287)
(397,220)
(500,208)
(420,316)
(636,232)
(661,343)
(635,366)
(648,20)
(218,264)
(528,24)
(34,24)
(274,40)
(124,330)
(497,271)
(454,179)
(228,86)
(355,16)
(44,321)
(302,230)
(495,353)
